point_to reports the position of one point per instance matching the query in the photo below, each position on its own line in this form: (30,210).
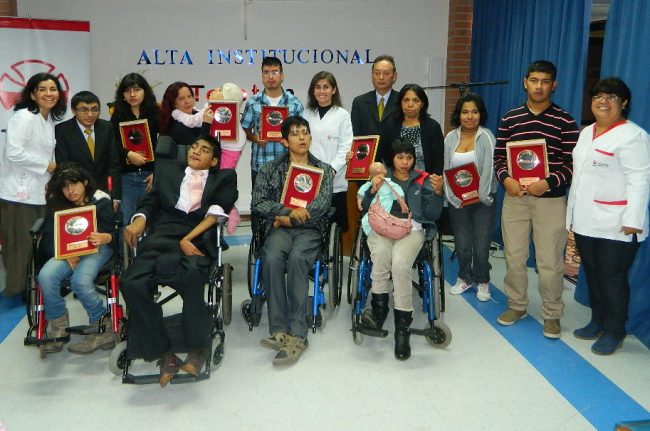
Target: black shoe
(375,318)
(403,320)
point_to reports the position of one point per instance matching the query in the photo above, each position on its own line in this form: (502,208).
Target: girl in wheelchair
(72,186)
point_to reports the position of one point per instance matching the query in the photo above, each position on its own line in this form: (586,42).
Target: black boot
(376,317)
(403,320)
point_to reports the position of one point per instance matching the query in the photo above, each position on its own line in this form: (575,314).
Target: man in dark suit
(366,108)
(182,205)
(90,142)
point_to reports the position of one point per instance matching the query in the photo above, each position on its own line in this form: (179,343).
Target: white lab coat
(611,183)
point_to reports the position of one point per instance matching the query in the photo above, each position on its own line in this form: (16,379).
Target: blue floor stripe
(590,392)
(9,318)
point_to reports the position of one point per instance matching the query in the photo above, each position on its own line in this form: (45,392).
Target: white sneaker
(460,287)
(483,292)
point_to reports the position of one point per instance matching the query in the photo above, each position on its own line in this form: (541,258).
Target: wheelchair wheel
(118,360)
(354,264)
(252,249)
(442,336)
(226,296)
(336,265)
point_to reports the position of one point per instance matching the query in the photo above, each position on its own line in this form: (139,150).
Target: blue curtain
(626,54)
(507,35)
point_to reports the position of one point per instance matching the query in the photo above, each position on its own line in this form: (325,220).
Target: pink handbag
(386,224)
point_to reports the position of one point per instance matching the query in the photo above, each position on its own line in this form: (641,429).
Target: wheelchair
(218,300)
(106,282)
(327,278)
(430,287)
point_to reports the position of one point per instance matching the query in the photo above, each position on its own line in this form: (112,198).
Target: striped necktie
(380,108)
(91,143)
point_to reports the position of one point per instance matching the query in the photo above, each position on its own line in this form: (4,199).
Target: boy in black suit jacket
(102,157)
(182,206)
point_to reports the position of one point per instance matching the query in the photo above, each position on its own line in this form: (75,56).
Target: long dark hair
(122,108)
(419,91)
(64,174)
(167,105)
(469,97)
(27,102)
(312,103)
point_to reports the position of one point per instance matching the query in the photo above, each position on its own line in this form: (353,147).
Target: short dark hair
(385,57)
(614,85)
(543,66)
(469,97)
(26,101)
(64,174)
(401,145)
(83,97)
(293,121)
(329,77)
(272,61)
(422,95)
(215,145)
(130,80)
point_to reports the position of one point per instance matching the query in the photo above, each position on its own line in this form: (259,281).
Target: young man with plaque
(182,205)
(90,142)
(292,238)
(539,206)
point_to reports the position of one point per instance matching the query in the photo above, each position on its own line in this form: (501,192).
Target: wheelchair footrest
(82,329)
(427,332)
(155,378)
(33,341)
(371,332)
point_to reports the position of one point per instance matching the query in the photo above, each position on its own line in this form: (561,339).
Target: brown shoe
(193,364)
(552,328)
(57,330)
(510,317)
(169,366)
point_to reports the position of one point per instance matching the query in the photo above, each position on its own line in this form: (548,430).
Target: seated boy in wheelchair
(72,186)
(182,206)
(292,241)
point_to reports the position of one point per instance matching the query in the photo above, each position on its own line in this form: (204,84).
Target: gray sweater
(483,150)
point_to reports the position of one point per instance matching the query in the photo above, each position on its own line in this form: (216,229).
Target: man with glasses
(539,207)
(371,110)
(90,142)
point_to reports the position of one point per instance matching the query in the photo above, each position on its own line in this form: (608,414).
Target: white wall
(413,31)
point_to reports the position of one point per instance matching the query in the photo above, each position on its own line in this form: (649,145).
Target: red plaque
(135,137)
(71,230)
(271,122)
(464,181)
(226,120)
(364,149)
(527,160)
(301,186)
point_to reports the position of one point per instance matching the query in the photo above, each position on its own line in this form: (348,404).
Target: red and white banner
(30,46)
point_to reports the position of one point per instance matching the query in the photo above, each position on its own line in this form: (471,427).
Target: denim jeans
(82,282)
(473,226)
(133,189)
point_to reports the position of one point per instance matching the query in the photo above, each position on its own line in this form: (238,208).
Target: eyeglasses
(381,73)
(272,73)
(601,97)
(87,111)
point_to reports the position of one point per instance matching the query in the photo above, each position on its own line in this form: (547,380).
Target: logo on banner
(13,81)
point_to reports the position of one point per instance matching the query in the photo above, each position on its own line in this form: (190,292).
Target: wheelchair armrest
(37,227)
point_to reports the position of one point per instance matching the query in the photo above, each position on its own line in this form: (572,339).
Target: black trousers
(606,264)
(147,336)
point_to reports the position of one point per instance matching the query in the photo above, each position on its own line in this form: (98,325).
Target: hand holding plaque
(271,121)
(527,161)
(464,181)
(226,120)
(135,137)
(71,231)
(364,150)
(301,186)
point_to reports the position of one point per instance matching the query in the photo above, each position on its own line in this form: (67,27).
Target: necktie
(196,190)
(380,108)
(91,143)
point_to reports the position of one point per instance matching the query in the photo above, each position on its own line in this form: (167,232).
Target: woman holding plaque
(72,186)
(178,118)
(26,163)
(134,100)
(396,257)
(471,213)
(413,123)
(607,209)
(331,134)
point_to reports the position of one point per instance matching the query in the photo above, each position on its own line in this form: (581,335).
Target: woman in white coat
(331,136)
(26,164)
(608,209)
